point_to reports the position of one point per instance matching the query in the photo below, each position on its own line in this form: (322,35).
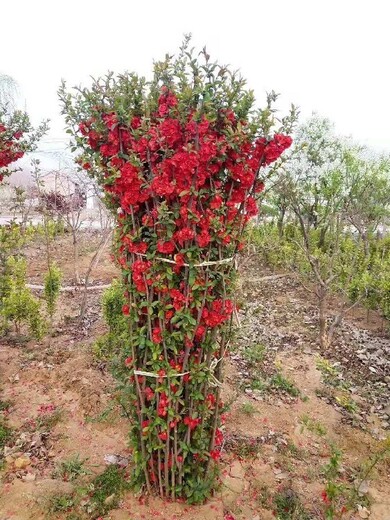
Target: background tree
(327,189)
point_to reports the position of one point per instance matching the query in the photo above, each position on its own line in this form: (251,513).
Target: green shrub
(18,305)
(112,302)
(52,288)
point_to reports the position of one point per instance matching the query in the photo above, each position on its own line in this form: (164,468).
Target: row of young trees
(18,306)
(325,217)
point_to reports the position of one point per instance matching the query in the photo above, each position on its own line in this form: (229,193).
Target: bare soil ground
(290,403)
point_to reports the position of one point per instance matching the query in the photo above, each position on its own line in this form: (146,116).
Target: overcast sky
(329,56)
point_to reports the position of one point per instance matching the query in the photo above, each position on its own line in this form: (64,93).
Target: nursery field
(305,428)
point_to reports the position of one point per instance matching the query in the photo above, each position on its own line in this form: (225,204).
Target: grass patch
(108,488)
(72,469)
(248,409)
(254,354)
(47,421)
(331,374)
(294,451)
(5,405)
(105,415)
(288,506)
(244,446)
(5,435)
(259,384)
(312,425)
(347,403)
(60,503)
(280,382)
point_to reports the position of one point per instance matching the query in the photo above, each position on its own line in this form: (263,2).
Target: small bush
(18,305)
(52,288)
(72,468)
(279,382)
(112,302)
(107,489)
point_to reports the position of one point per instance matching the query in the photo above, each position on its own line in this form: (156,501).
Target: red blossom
(156,335)
(215,454)
(192,423)
(167,247)
(163,436)
(129,361)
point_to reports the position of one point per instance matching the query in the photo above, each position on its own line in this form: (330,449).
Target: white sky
(323,55)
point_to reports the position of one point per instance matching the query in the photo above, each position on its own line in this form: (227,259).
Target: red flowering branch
(16,138)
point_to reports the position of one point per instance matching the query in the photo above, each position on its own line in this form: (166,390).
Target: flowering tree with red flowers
(17,137)
(181,161)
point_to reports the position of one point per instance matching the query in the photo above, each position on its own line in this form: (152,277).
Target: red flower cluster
(190,165)
(192,423)
(140,269)
(10,149)
(220,311)
(162,408)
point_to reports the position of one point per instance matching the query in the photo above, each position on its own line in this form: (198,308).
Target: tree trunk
(92,265)
(365,243)
(324,339)
(280,223)
(75,257)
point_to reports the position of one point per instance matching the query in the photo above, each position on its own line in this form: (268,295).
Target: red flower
(216,202)
(203,239)
(192,423)
(183,235)
(128,361)
(165,247)
(149,394)
(139,247)
(125,310)
(156,335)
(218,437)
(276,147)
(163,436)
(210,400)
(215,454)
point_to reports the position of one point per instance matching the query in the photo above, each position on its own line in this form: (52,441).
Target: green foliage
(110,344)
(333,492)
(248,409)
(47,421)
(5,435)
(362,278)
(347,403)
(254,354)
(52,228)
(280,382)
(18,305)
(52,288)
(60,503)
(112,303)
(107,489)
(288,506)
(312,425)
(72,468)
(12,239)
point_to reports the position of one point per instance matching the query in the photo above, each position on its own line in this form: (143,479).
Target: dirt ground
(290,403)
